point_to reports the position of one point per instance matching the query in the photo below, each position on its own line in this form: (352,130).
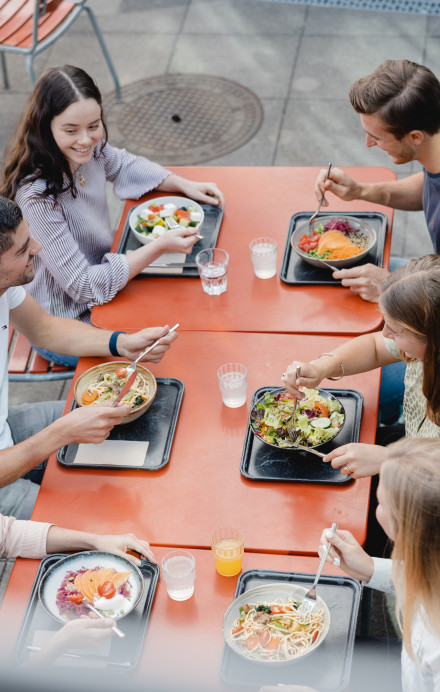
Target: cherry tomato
(121,372)
(76,598)
(276,609)
(251,643)
(107,589)
(264,638)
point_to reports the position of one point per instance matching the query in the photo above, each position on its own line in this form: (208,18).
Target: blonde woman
(409,300)
(409,512)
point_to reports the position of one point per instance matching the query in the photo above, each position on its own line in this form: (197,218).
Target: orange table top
(201,488)
(259,201)
(182,642)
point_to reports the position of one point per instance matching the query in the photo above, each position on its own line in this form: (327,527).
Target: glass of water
(264,257)
(232,379)
(213,269)
(179,572)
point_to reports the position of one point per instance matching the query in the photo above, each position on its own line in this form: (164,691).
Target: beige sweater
(19,538)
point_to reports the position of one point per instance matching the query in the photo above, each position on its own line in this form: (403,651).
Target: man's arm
(403,194)
(75,338)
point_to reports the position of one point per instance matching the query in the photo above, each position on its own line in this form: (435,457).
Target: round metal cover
(183,119)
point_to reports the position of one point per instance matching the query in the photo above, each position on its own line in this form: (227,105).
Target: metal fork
(312,218)
(309,600)
(172,225)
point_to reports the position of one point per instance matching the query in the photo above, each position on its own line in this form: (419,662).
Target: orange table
(201,488)
(184,641)
(259,201)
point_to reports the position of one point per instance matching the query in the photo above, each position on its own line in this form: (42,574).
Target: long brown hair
(32,152)
(410,478)
(411,297)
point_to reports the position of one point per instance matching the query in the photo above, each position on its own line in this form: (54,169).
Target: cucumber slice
(320,422)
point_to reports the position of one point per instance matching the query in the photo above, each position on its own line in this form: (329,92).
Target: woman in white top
(56,167)
(409,512)
(410,303)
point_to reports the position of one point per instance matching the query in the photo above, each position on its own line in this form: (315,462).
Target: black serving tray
(210,230)
(157,425)
(133,625)
(261,462)
(328,668)
(297,272)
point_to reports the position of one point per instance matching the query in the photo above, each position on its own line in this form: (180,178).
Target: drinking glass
(179,572)
(213,269)
(228,547)
(232,379)
(264,257)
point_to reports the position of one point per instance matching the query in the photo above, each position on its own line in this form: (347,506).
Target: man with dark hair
(31,432)
(399,107)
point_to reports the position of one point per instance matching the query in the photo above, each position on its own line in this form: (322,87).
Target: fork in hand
(309,600)
(312,218)
(172,225)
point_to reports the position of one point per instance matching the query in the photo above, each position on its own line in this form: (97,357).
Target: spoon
(114,628)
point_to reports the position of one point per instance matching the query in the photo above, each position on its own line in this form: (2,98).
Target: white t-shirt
(11,299)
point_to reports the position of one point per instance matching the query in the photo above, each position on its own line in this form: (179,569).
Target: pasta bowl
(91,377)
(363,235)
(293,646)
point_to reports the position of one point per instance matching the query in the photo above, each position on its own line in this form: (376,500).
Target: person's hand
(310,376)
(92,423)
(207,193)
(347,554)
(339,183)
(358,459)
(178,240)
(120,545)
(131,345)
(81,633)
(363,281)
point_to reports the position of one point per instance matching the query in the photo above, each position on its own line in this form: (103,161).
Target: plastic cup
(213,270)
(232,379)
(264,257)
(228,547)
(179,572)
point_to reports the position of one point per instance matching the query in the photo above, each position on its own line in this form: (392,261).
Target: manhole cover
(183,119)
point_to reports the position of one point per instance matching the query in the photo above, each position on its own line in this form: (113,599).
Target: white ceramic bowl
(178,201)
(268,593)
(359,224)
(52,579)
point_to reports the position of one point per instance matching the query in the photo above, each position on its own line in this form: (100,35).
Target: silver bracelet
(340,365)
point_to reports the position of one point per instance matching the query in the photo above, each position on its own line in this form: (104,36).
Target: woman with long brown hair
(409,512)
(56,168)
(409,300)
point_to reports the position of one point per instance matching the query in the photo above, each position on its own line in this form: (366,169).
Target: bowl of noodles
(319,417)
(103,383)
(263,624)
(342,241)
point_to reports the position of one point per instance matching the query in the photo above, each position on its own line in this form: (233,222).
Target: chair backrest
(24,23)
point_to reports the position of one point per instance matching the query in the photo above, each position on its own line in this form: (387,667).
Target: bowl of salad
(319,417)
(342,241)
(148,220)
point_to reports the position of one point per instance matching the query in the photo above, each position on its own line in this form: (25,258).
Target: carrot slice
(89,397)
(120,578)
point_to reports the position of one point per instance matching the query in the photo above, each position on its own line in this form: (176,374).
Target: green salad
(317,418)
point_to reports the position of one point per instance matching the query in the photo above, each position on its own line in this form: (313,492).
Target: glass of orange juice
(228,548)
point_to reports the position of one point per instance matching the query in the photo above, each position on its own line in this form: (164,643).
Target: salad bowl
(139,215)
(362,233)
(320,418)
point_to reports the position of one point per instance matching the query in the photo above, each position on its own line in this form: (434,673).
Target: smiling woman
(410,303)
(56,168)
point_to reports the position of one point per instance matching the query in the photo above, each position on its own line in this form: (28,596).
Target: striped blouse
(75,269)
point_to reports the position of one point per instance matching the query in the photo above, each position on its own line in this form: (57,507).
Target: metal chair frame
(39,46)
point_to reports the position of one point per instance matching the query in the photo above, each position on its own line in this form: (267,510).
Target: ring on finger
(347,469)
